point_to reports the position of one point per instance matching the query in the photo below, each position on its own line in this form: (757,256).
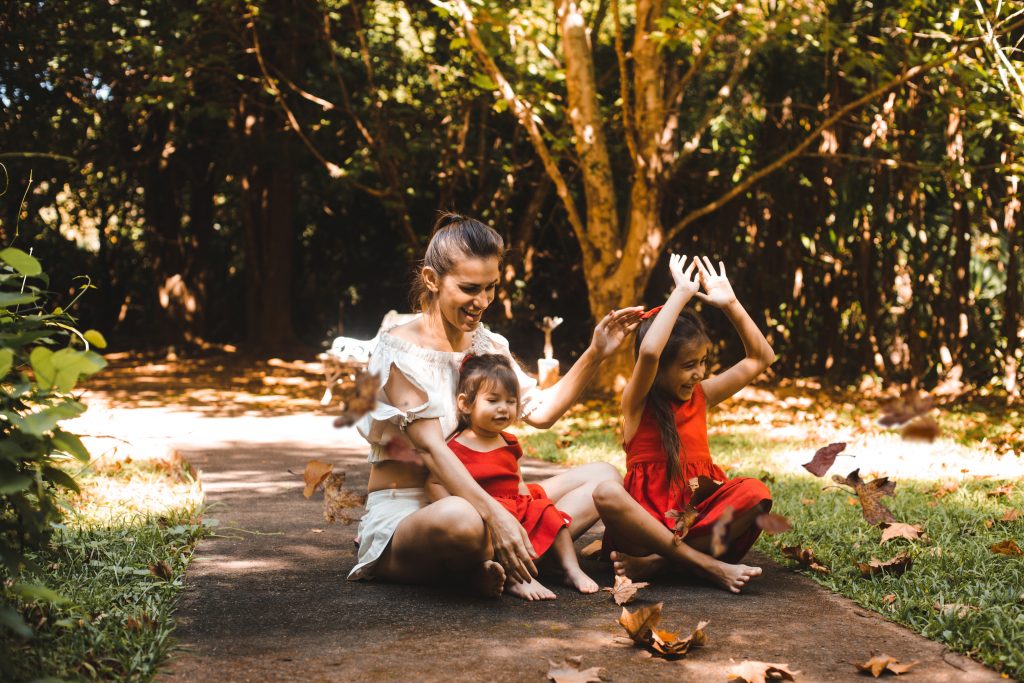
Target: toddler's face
(493,410)
(686,370)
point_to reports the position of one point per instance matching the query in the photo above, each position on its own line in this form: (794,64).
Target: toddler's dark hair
(454,237)
(479,373)
(688,329)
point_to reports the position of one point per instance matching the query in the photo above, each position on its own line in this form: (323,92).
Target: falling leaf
(162,570)
(569,671)
(1003,490)
(880,664)
(684,520)
(921,429)
(906,409)
(824,458)
(870,493)
(701,488)
(719,530)
(642,627)
(337,499)
(625,590)
(367,386)
(760,672)
(957,609)
(773,524)
(591,549)
(1007,547)
(911,532)
(895,566)
(316,472)
(805,557)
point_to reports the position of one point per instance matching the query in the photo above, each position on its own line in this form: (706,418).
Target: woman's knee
(457,524)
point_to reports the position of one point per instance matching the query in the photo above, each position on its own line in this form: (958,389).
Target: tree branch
(627,115)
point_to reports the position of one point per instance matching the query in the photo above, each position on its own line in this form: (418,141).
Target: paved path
(267,600)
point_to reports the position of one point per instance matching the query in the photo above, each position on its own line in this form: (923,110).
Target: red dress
(647,476)
(497,472)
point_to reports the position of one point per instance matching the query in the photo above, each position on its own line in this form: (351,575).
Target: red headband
(462,365)
(647,314)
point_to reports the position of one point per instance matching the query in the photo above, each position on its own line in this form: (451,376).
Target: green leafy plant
(42,358)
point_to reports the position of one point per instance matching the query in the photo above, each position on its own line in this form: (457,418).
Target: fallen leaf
(569,671)
(719,530)
(684,520)
(760,672)
(869,493)
(1011,516)
(895,566)
(162,570)
(945,490)
(337,499)
(905,409)
(911,532)
(805,557)
(316,472)
(921,429)
(317,531)
(824,458)
(1007,547)
(956,609)
(144,622)
(1003,490)
(880,664)
(367,386)
(642,627)
(889,599)
(625,590)
(807,501)
(591,549)
(772,524)
(640,623)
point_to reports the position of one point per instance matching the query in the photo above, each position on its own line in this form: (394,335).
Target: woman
(403,537)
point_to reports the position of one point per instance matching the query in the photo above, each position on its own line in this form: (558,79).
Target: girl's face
(682,374)
(464,293)
(493,410)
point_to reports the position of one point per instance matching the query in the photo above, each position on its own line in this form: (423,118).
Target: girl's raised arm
(718,292)
(646,368)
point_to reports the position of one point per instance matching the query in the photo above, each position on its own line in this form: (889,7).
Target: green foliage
(32,406)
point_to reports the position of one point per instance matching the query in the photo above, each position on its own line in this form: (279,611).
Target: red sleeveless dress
(497,472)
(648,483)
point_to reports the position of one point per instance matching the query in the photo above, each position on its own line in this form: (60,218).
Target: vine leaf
(870,494)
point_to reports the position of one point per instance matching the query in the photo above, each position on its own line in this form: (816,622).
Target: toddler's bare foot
(490,579)
(638,568)
(576,578)
(731,577)
(534,590)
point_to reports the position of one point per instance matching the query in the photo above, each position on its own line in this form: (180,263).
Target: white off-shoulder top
(436,375)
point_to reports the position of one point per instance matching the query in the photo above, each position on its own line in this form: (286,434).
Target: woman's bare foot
(731,577)
(576,578)
(490,579)
(534,590)
(638,568)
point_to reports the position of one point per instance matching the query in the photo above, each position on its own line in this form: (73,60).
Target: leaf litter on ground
(824,458)
(895,566)
(1007,547)
(805,558)
(625,589)
(870,493)
(642,627)
(892,530)
(760,672)
(880,664)
(569,671)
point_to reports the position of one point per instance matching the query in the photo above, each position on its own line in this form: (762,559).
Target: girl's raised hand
(717,288)
(684,278)
(614,328)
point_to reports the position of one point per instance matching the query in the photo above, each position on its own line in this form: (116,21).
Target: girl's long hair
(688,329)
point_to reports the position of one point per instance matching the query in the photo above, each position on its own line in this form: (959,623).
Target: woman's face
(465,292)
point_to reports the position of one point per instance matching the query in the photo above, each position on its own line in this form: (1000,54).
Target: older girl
(403,536)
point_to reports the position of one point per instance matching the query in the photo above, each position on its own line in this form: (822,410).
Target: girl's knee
(608,494)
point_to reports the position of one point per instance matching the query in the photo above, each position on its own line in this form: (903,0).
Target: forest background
(266,173)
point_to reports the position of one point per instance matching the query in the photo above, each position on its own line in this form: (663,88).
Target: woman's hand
(684,279)
(511,544)
(613,330)
(717,288)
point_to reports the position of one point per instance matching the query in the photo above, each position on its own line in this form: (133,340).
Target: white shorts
(384,510)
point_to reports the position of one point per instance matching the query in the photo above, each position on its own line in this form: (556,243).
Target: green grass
(952,565)
(114,621)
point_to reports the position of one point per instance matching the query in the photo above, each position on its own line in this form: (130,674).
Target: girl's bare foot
(731,577)
(638,568)
(534,590)
(576,578)
(490,579)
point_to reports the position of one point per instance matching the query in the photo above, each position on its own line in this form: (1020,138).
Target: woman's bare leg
(573,493)
(443,539)
(648,547)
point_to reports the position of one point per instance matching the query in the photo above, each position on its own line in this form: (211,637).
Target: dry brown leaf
(870,493)
(592,549)
(921,429)
(911,532)
(905,409)
(684,519)
(367,386)
(1011,516)
(144,622)
(806,558)
(1007,547)
(719,531)
(162,570)
(625,590)
(569,671)
(760,672)
(945,490)
(640,623)
(824,458)
(1003,490)
(958,609)
(895,566)
(772,524)
(338,499)
(808,501)
(880,664)
(642,627)
(889,599)
(316,472)
(702,487)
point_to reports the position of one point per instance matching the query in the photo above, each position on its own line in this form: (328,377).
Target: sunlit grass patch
(118,560)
